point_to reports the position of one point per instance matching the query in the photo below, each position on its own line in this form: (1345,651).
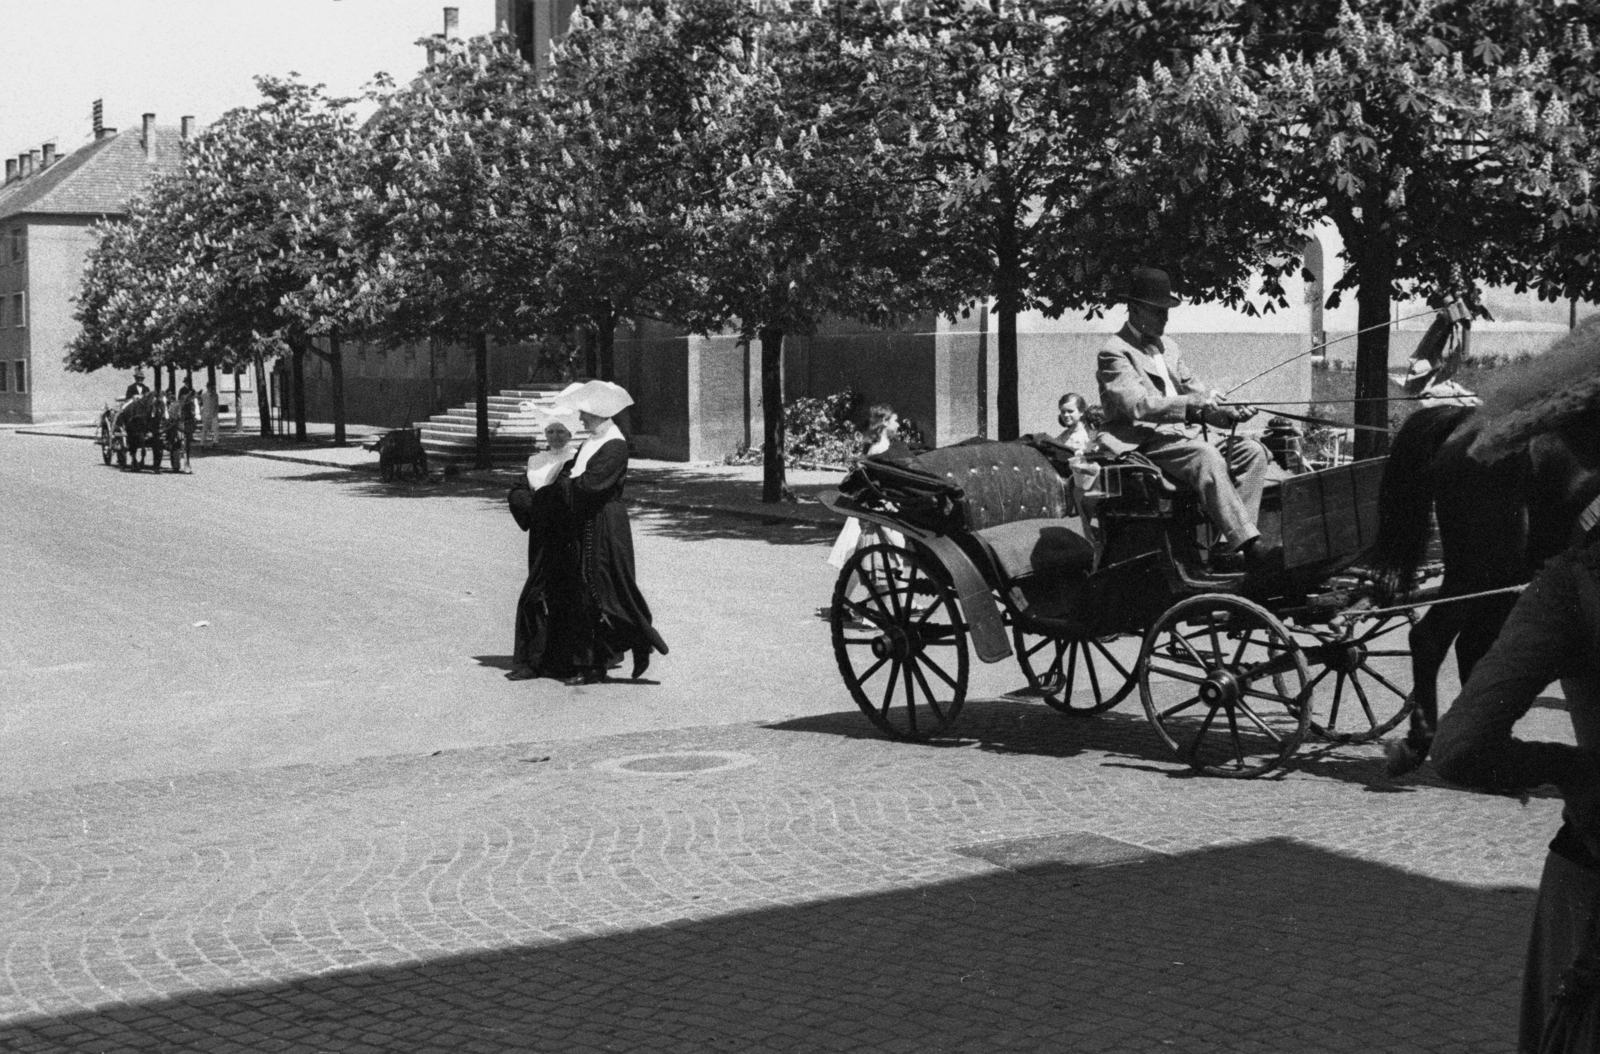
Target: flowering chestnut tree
(1445,157)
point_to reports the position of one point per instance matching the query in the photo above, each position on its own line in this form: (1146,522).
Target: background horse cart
(1234,670)
(143,429)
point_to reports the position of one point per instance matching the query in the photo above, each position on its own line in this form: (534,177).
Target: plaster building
(48,205)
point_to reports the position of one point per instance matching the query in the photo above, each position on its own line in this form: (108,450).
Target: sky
(198,57)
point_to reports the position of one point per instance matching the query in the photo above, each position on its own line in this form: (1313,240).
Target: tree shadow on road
(692,524)
(1270,946)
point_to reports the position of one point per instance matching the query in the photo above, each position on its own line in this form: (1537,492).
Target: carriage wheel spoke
(1094,675)
(1216,641)
(1289,702)
(1171,710)
(1112,659)
(888,695)
(1179,675)
(1244,642)
(1338,694)
(911,701)
(1200,735)
(1361,694)
(1256,720)
(1198,661)
(1233,734)
(936,668)
(1390,653)
(1072,671)
(933,703)
(1381,679)
(874,668)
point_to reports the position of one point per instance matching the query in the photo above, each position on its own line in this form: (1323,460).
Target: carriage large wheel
(901,641)
(119,444)
(388,466)
(1363,703)
(419,464)
(105,441)
(1063,669)
(1224,682)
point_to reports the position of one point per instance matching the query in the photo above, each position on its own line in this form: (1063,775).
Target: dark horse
(1506,490)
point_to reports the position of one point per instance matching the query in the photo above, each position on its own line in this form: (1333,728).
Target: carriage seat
(1015,501)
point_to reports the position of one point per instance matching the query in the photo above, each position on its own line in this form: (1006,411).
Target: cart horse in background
(146,427)
(1005,555)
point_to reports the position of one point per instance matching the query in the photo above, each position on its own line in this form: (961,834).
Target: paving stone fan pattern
(1041,884)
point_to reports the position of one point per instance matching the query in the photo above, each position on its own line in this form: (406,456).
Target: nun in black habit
(613,618)
(544,624)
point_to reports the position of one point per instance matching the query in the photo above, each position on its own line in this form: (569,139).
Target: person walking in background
(613,619)
(550,595)
(208,415)
(883,443)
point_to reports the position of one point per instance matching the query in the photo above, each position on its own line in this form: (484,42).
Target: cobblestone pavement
(803,886)
(344,854)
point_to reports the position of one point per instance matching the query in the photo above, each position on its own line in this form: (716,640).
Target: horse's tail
(1405,496)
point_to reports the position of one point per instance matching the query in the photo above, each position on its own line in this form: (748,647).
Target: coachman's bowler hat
(1150,285)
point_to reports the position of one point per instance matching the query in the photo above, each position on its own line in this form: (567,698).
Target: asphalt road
(259,613)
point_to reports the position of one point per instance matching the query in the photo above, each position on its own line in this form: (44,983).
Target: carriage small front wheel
(1224,682)
(901,641)
(105,441)
(1068,676)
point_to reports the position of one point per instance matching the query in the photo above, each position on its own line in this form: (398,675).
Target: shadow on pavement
(1272,946)
(1009,726)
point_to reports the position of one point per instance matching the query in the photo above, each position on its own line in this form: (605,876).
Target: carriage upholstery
(1015,501)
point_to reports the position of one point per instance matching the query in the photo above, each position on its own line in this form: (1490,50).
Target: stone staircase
(452,437)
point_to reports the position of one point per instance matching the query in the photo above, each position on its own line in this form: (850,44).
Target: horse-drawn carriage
(144,429)
(1005,554)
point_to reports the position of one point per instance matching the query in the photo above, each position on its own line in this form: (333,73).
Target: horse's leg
(1481,624)
(1430,643)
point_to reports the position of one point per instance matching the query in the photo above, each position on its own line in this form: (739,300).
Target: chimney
(25,163)
(33,162)
(149,138)
(452,22)
(187,123)
(98,113)
(49,154)
(11,169)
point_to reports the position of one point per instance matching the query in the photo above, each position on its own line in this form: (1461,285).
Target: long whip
(1328,343)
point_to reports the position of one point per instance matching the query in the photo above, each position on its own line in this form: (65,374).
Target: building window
(19,239)
(19,310)
(21,375)
(5,378)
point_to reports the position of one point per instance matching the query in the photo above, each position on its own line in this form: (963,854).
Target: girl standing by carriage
(883,443)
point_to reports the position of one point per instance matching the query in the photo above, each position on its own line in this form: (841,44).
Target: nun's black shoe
(641,662)
(522,673)
(585,677)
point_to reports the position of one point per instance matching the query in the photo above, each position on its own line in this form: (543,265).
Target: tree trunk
(336,377)
(606,332)
(211,374)
(480,364)
(774,484)
(1008,296)
(1372,349)
(262,398)
(297,384)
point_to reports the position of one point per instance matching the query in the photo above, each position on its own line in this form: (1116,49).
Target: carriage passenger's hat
(601,398)
(138,373)
(1151,286)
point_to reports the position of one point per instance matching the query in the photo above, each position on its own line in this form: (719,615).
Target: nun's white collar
(606,433)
